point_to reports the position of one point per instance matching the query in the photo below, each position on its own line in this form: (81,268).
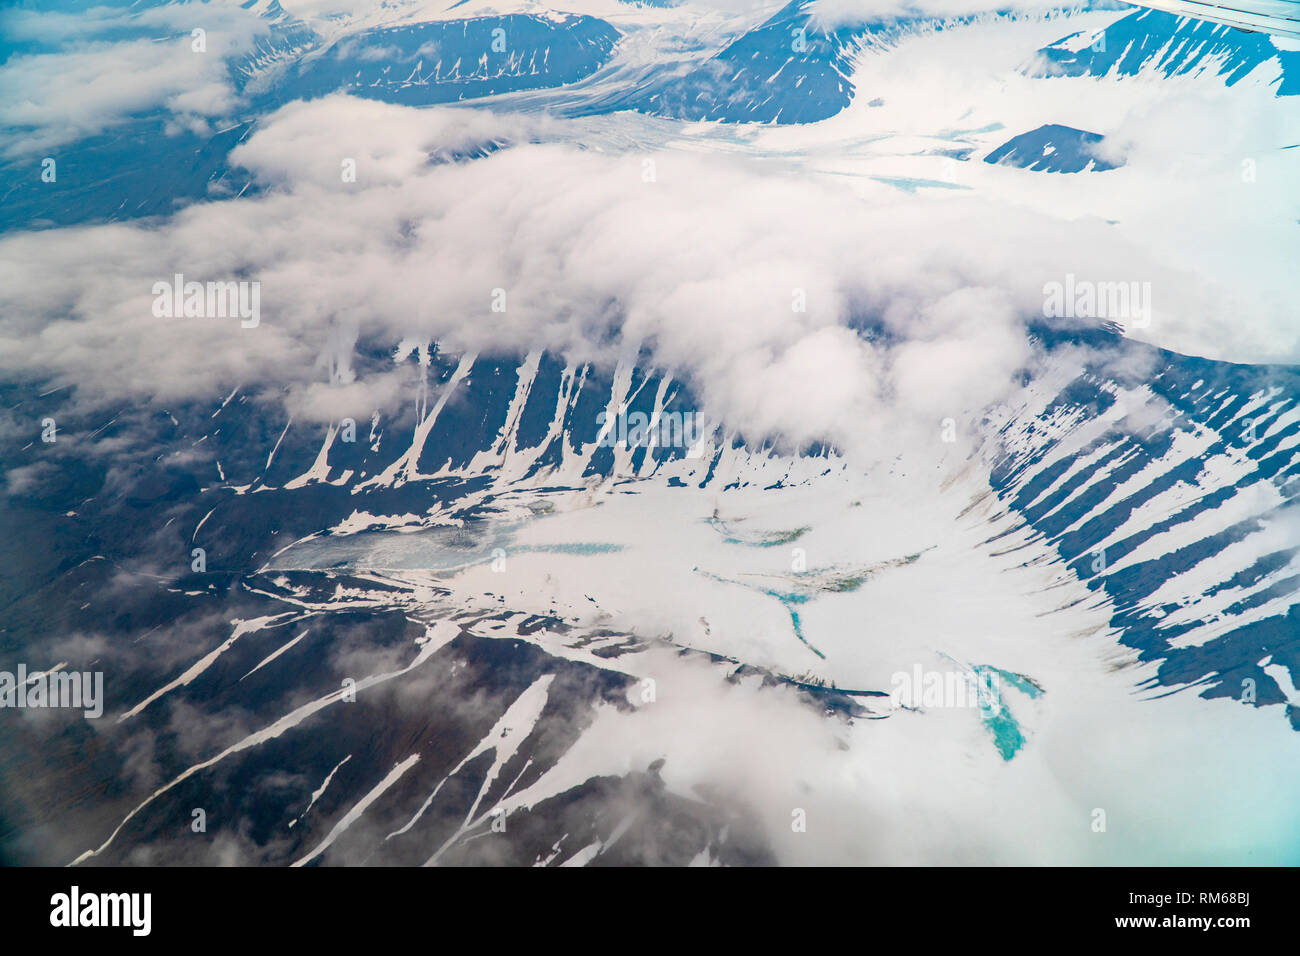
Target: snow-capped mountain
(641,394)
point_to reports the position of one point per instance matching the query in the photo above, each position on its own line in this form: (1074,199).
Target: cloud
(748,282)
(96,72)
(803,307)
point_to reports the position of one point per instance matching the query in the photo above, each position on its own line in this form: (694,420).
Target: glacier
(389,580)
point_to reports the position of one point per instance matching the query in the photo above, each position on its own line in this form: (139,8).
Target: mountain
(1170,46)
(1052,149)
(800,422)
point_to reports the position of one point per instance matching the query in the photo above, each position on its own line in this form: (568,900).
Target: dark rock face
(1053,149)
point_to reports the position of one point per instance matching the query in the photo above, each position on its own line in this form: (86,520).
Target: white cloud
(703,266)
(103,70)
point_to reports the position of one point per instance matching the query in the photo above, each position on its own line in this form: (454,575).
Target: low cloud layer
(794,306)
(81,75)
(799,305)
